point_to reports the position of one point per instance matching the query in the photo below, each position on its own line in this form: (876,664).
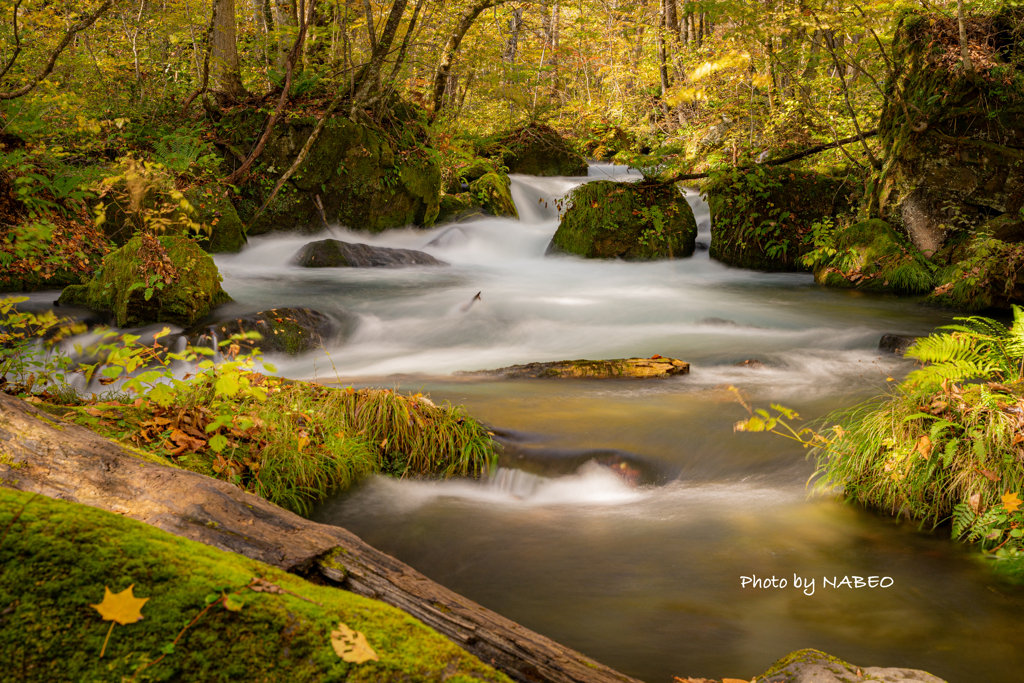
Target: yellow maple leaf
(122,608)
(1011,502)
(352,646)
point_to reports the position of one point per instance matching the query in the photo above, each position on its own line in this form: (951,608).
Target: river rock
(283,330)
(761,216)
(337,254)
(949,168)
(896,343)
(750,364)
(622,368)
(632,221)
(812,666)
(458,207)
(538,150)
(152,280)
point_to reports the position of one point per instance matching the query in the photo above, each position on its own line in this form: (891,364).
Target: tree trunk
(370,81)
(284,21)
(451,47)
(227,77)
(46,455)
(964,51)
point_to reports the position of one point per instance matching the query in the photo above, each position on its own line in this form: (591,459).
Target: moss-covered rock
(367,178)
(761,217)
(494,192)
(456,207)
(656,367)
(807,666)
(538,150)
(871,256)
(224,232)
(58,557)
(151,280)
(142,196)
(952,140)
(632,221)
(282,330)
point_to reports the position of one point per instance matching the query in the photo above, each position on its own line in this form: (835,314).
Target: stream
(646,579)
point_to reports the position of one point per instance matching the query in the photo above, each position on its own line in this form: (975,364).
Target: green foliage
(57,556)
(31,360)
(184,151)
(868,255)
(986,275)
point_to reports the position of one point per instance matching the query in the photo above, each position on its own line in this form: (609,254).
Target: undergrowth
(292,443)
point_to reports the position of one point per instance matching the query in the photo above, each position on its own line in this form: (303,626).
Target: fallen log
(43,454)
(656,367)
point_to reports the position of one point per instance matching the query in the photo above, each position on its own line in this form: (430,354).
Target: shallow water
(648,579)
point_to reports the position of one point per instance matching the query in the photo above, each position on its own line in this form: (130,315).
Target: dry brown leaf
(352,646)
(924,446)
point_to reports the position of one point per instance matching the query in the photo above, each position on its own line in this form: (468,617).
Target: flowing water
(646,579)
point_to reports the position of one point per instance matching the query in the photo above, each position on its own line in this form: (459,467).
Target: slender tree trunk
(451,47)
(371,32)
(368,88)
(227,77)
(284,21)
(964,51)
(662,57)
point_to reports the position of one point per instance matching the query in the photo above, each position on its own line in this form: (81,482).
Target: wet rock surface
(812,666)
(622,368)
(338,254)
(283,330)
(896,343)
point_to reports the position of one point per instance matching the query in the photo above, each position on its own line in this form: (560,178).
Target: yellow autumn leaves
(124,608)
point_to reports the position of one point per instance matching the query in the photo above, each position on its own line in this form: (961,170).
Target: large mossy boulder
(152,280)
(367,178)
(871,256)
(60,559)
(457,207)
(814,666)
(632,221)
(281,330)
(538,150)
(761,217)
(953,140)
(493,191)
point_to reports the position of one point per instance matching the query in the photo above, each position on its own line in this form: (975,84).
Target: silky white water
(645,579)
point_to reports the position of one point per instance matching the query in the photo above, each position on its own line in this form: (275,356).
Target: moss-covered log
(632,221)
(622,368)
(58,556)
(62,460)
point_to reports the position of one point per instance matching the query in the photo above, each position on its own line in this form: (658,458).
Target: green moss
(121,284)
(806,656)
(633,221)
(215,211)
(456,206)
(58,556)
(761,218)
(871,256)
(494,192)
(538,150)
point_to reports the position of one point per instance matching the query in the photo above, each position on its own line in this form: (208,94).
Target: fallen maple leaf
(352,646)
(1011,502)
(123,608)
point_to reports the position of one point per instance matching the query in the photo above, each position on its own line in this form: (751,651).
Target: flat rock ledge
(655,367)
(813,666)
(338,254)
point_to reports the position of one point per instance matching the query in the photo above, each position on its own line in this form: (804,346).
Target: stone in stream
(751,364)
(896,343)
(812,666)
(655,367)
(283,330)
(338,254)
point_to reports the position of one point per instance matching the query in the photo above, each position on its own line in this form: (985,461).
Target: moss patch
(761,217)
(58,556)
(494,192)
(180,279)
(871,256)
(538,150)
(215,211)
(633,221)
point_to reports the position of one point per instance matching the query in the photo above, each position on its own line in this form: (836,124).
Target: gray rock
(338,254)
(812,666)
(896,343)
(283,330)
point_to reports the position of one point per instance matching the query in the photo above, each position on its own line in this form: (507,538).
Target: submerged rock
(812,666)
(283,330)
(632,221)
(152,280)
(458,207)
(750,364)
(896,343)
(338,254)
(761,217)
(622,368)
(871,256)
(538,150)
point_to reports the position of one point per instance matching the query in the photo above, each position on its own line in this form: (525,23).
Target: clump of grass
(303,441)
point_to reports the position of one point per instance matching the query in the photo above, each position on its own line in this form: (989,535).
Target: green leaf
(218,442)
(226,385)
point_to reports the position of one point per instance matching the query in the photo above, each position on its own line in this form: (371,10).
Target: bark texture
(46,455)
